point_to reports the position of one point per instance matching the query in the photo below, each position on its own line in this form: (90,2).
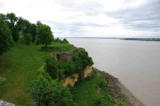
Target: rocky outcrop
(87,71)
(71,80)
(66,55)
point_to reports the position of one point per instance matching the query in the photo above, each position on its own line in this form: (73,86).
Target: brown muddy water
(135,63)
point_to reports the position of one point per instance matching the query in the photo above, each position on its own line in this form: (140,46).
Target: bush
(50,93)
(5,37)
(102,84)
(52,67)
(27,38)
(82,60)
(65,40)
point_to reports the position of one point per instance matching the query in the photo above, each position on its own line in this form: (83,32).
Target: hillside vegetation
(29,74)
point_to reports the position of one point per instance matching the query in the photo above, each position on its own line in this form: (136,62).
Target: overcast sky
(91,18)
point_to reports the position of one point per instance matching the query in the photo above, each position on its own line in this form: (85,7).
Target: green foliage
(65,40)
(60,70)
(50,93)
(82,60)
(24,26)
(5,37)
(61,41)
(68,68)
(57,40)
(52,67)
(87,93)
(33,32)
(27,38)
(58,46)
(11,20)
(44,34)
(101,84)
(120,102)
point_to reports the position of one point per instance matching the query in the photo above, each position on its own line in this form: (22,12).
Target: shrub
(50,93)
(82,60)
(5,37)
(65,40)
(52,67)
(102,84)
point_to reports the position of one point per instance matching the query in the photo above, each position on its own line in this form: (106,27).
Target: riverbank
(118,90)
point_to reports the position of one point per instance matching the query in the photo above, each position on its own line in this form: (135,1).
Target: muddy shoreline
(118,90)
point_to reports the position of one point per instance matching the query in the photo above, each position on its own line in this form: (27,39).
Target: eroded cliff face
(71,80)
(87,71)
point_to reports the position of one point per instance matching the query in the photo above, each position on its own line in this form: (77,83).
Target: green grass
(62,46)
(19,66)
(88,92)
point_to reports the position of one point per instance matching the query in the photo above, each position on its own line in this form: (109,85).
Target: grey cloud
(88,8)
(75,28)
(146,17)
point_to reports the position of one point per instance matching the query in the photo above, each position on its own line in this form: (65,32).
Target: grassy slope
(20,66)
(86,92)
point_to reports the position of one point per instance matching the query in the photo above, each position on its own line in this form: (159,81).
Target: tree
(65,40)
(27,38)
(44,34)
(5,37)
(86,60)
(52,67)
(24,26)
(3,17)
(11,21)
(33,32)
(47,92)
(82,60)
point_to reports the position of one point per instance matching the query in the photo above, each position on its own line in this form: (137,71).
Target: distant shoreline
(120,38)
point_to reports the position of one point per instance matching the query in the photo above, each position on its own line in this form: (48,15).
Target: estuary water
(135,63)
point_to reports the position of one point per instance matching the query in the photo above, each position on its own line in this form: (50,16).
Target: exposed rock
(4,103)
(71,80)
(87,72)
(66,55)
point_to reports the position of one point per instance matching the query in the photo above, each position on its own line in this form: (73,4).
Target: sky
(91,18)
